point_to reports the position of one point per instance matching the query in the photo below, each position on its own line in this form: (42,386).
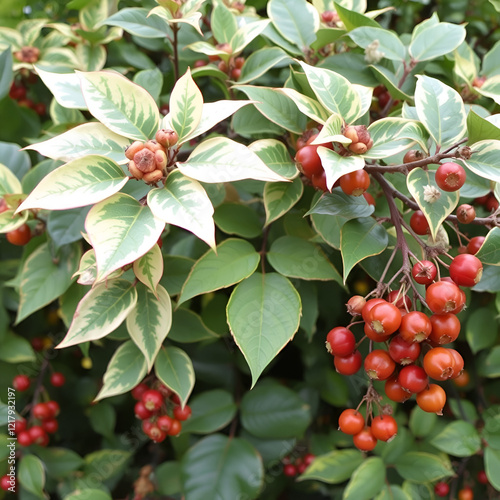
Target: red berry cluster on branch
(294,466)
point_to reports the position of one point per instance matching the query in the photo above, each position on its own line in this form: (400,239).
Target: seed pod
(358,148)
(153,146)
(145,160)
(167,138)
(134,148)
(160,159)
(134,170)
(153,177)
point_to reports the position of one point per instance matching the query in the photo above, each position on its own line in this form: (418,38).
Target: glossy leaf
(389,44)
(78,183)
(340,204)
(184,202)
(422,467)
(484,161)
(174,368)
(65,88)
(280,197)
(310,107)
(16,349)
(260,62)
(489,253)
(336,166)
(233,261)
(276,156)
(137,21)
(223,23)
(478,329)
(334,467)
(59,462)
(126,368)
(492,466)
(366,481)
(101,311)
(32,475)
(332,131)
(121,230)
(436,211)
(9,220)
(479,128)
(459,439)
(188,327)
(149,322)
(9,183)
(149,268)
(263,314)
(121,105)
(435,40)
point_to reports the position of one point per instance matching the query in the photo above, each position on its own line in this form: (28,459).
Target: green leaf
(297,21)
(280,197)
(124,107)
(276,107)
(263,314)
(121,230)
(65,88)
(87,493)
(441,109)
(336,166)
(9,220)
(260,62)
(101,311)
(479,128)
(246,34)
(310,107)
(168,477)
(16,349)
(233,261)
(359,239)
(78,183)
(59,462)
(175,369)
(188,327)
(126,368)
(271,411)
(211,411)
(459,439)
(479,330)
(87,139)
(66,226)
(149,268)
(238,219)
(366,481)
(393,492)
(421,467)
(421,422)
(389,43)
(6,76)
(489,253)
(492,466)
(151,80)
(45,276)
(435,40)
(186,105)
(436,211)
(351,16)
(334,467)
(31,475)
(9,183)
(221,467)
(137,21)
(298,258)
(337,203)
(334,92)
(184,202)
(176,271)
(223,23)
(484,160)
(222,160)
(102,418)
(92,58)
(149,322)
(276,156)
(106,464)
(490,365)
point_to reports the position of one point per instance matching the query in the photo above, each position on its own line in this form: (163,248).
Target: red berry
(441,489)
(290,470)
(355,305)
(8,483)
(491,203)
(141,412)
(351,422)
(369,198)
(24,438)
(466,213)
(458,367)
(152,400)
(235,73)
(355,183)
(139,390)
(384,318)
(445,328)
(450,176)
(319,181)
(413,155)
(348,365)
(365,440)
(156,434)
(419,223)
(399,300)
(413,378)
(482,477)
(379,365)
(424,272)
(38,435)
(20,236)
(475,244)
(20,425)
(394,391)
(466,493)
(327,16)
(40,108)
(37,344)
(432,399)
(466,270)
(415,327)
(439,363)
(384,427)
(50,426)
(21,383)
(308,459)
(164,422)
(57,379)
(309,160)
(54,408)
(443,297)
(175,428)
(17,92)
(182,413)
(41,411)
(368,307)
(340,341)
(402,352)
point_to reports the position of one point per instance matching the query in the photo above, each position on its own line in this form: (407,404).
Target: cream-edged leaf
(336,166)
(311,108)
(65,87)
(276,156)
(9,183)
(149,268)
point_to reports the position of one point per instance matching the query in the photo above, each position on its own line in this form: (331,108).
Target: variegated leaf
(9,220)
(491,88)
(136,21)
(9,183)
(87,139)
(121,230)
(223,23)
(261,61)
(208,49)
(435,39)
(332,131)
(334,92)
(212,113)
(125,370)
(78,183)
(441,109)
(186,106)
(280,197)
(149,322)
(484,160)
(91,57)
(223,160)
(101,311)
(149,268)
(121,105)
(389,43)
(184,203)
(435,212)
(87,270)
(175,369)
(276,156)
(65,88)
(306,105)
(336,166)
(232,261)
(393,135)
(45,276)
(246,34)
(365,96)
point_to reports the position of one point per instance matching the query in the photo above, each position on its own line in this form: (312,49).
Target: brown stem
(175,43)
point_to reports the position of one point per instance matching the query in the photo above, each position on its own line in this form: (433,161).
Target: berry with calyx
(439,363)
(57,379)
(21,383)
(443,297)
(379,365)
(141,412)
(20,236)
(466,270)
(441,489)
(450,176)
(156,434)
(394,391)
(413,378)
(445,328)
(458,366)
(167,137)
(340,341)
(432,399)
(415,327)
(152,399)
(164,422)
(144,160)
(368,307)
(384,427)
(7,483)
(424,272)
(355,305)
(402,352)
(360,137)
(28,55)
(134,148)
(419,223)
(466,213)
(384,318)
(355,183)
(182,413)
(351,422)
(413,155)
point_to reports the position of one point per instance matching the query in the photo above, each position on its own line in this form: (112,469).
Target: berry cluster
(232,67)
(412,349)
(44,415)
(295,466)
(153,407)
(309,162)
(150,160)
(18,92)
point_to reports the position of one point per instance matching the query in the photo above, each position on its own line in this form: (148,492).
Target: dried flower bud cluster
(28,55)
(148,160)
(360,137)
